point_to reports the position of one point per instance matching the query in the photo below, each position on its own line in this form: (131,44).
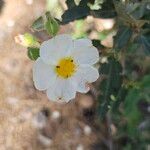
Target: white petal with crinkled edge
(63,90)
(54,49)
(85,74)
(43,75)
(85,55)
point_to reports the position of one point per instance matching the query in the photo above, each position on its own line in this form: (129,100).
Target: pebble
(12,100)
(80,147)
(55,115)
(10,23)
(44,140)
(87,130)
(39,120)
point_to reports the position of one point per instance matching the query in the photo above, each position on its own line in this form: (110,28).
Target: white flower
(65,67)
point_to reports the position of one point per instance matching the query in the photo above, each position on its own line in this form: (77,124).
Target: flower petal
(63,89)
(85,55)
(85,74)
(79,44)
(83,86)
(82,42)
(55,48)
(43,75)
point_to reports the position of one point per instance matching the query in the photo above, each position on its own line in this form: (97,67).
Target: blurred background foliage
(120,29)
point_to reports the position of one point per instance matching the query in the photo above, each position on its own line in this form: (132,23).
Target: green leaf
(123,36)
(70,3)
(48,23)
(33,53)
(110,85)
(132,48)
(38,24)
(138,10)
(83,2)
(82,10)
(97,44)
(119,99)
(106,10)
(51,26)
(146,15)
(103,13)
(77,12)
(144,40)
(122,13)
(126,17)
(131,110)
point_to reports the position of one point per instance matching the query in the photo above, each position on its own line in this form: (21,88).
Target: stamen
(57,66)
(66,67)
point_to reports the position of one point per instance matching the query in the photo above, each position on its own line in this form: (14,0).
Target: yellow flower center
(66,67)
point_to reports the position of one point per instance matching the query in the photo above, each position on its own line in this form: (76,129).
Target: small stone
(80,147)
(39,121)
(55,115)
(12,100)
(44,140)
(87,130)
(10,23)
